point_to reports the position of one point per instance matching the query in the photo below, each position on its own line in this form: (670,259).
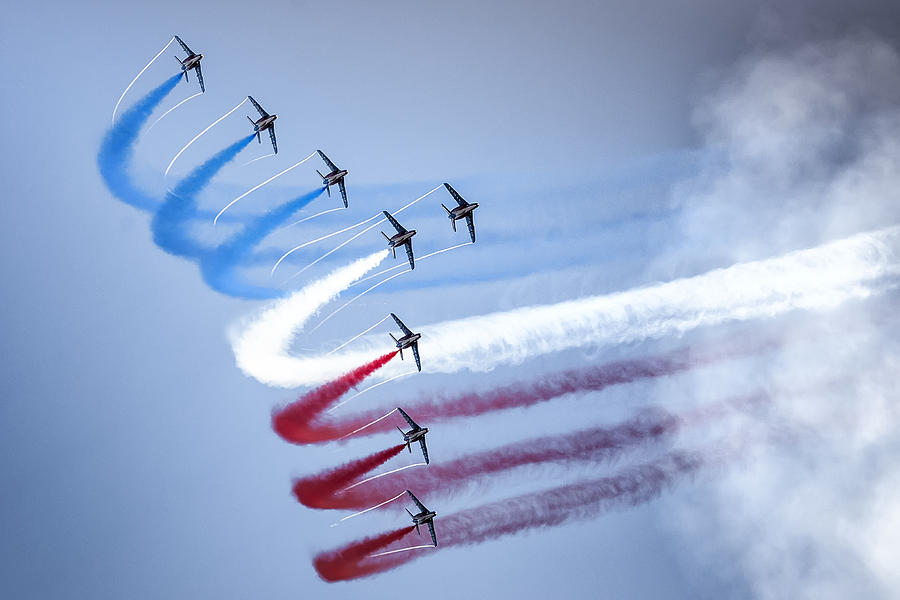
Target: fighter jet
(191,62)
(336,176)
(403,238)
(464,210)
(409,340)
(265,121)
(423,517)
(415,434)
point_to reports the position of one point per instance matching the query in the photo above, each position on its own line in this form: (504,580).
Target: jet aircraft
(415,434)
(336,176)
(265,121)
(409,340)
(423,517)
(463,211)
(402,238)
(191,62)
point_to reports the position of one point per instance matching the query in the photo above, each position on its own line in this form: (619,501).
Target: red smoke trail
(293,422)
(346,563)
(596,444)
(550,508)
(444,407)
(316,491)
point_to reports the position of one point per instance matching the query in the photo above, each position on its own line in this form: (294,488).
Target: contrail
(369,424)
(401,550)
(371,508)
(118,146)
(550,508)
(256,187)
(170,221)
(141,72)
(385,474)
(171,109)
(250,162)
(813,279)
(418,260)
(318,214)
(196,137)
(371,387)
(357,297)
(360,334)
(367,229)
(319,239)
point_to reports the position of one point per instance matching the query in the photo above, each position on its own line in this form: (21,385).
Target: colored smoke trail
(136,77)
(445,478)
(345,563)
(317,491)
(256,187)
(815,279)
(117,147)
(197,137)
(257,338)
(170,223)
(550,508)
(219,264)
(309,428)
(287,421)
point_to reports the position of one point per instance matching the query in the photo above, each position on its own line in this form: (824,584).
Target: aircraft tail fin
(328,189)
(258,138)
(251,121)
(385,236)
(392,337)
(445,208)
(320,174)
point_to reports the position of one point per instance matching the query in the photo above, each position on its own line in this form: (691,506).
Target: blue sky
(610,146)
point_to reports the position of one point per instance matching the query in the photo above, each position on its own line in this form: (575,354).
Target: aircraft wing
(416,501)
(408,420)
(394,222)
(184,46)
(343,192)
(470,221)
(431,531)
(457,197)
(272,136)
(400,324)
(258,107)
(200,77)
(415,349)
(424,449)
(409,254)
(327,162)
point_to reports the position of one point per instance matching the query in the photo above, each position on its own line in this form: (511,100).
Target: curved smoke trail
(814,279)
(631,487)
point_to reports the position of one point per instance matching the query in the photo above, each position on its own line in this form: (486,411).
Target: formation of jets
(402,238)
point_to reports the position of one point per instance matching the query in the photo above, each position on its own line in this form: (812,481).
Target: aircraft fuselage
(395,241)
(424,517)
(264,123)
(333,177)
(191,62)
(413,436)
(460,212)
(408,340)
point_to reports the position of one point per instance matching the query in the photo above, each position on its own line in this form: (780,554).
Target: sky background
(610,145)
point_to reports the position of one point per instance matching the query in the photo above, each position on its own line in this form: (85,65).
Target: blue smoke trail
(219,264)
(118,146)
(170,223)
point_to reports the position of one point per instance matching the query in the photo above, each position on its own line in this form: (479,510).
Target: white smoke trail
(318,214)
(256,187)
(418,260)
(359,335)
(136,77)
(251,161)
(171,109)
(392,471)
(311,242)
(197,137)
(399,550)
(813,279)
(362,512)
(371,387)
(357,297)
(369,228)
